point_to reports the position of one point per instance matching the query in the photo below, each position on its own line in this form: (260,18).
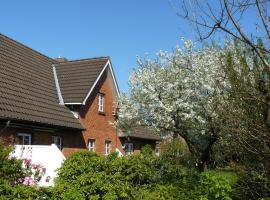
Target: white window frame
(129,148)
(54,141)
(101,102)
(23,135)
(91,144)
(107,147)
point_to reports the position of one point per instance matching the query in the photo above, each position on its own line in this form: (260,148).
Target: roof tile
(27,87)
(77,77)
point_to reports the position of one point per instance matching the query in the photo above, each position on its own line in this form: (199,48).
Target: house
(137,137)
(71,104)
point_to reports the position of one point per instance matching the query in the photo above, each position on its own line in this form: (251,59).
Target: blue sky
(78,29)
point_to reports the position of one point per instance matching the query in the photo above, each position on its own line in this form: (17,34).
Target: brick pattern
(99,126)
(71,141)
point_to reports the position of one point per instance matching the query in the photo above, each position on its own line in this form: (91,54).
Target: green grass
(230,175)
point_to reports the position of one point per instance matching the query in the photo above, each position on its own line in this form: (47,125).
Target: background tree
(246,131)
(228,16)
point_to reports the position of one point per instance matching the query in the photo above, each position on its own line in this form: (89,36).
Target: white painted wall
(47,155)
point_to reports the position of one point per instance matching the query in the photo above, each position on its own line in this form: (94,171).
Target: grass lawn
(230,175)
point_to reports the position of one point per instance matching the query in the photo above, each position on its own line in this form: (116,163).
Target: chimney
(61,59)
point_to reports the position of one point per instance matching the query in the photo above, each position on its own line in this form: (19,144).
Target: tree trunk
(206,156)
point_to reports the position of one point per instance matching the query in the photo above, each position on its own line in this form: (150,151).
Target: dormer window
(101,99)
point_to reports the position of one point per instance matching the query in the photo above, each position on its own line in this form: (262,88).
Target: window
(101,103)
(128,148)
(91,145)
(57,140)
(24,138)
(107,147)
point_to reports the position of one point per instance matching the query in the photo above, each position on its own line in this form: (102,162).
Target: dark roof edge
(141,137)
(19,43)
(41,124)
(83,59)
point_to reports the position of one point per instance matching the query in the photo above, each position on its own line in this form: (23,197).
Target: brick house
(69,103)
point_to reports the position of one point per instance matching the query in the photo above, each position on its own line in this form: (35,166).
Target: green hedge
(84,175)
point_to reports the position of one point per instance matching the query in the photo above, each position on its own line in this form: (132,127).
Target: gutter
(60,97)
(7,125)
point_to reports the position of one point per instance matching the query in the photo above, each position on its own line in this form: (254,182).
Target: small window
(24,138)
(91,145)
(57,140)
(107,147)
(101,99)
(128,148)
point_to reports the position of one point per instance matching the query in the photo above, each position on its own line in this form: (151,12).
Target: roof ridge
(19,43)
(84,59)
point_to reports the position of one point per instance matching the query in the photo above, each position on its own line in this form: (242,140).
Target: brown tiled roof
(142,132)
(27,87)
(77,77)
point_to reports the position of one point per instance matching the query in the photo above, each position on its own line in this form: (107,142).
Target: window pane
(128,148)
(107,147)
(24,138)
(57,140)
(101,102)
(91,144)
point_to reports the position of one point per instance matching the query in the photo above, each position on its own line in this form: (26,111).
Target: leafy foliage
(85,175)
(10,168)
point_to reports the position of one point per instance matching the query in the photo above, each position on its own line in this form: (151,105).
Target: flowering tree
(180,92)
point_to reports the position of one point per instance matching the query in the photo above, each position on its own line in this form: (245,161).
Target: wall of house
(99,126)
(138,143)
(71,140)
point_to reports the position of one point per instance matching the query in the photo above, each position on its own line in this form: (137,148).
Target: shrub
(91,177)
(97,177)
(147,150)
(21,192)
(10,168)
(212,186)
(252,184)
(84,175)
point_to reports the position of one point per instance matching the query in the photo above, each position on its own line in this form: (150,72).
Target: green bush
(23,192)
(84,175)
(212,186)
(91,177)
(252,184)
(10,168)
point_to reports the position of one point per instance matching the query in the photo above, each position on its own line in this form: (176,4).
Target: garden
(210,103)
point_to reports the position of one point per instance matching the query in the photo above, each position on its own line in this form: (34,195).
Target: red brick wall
(99,125)
(71,140)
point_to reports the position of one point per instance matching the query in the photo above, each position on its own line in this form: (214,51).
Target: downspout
(7,125)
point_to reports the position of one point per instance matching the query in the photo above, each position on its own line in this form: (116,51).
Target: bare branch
(262,18)
(245,38)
